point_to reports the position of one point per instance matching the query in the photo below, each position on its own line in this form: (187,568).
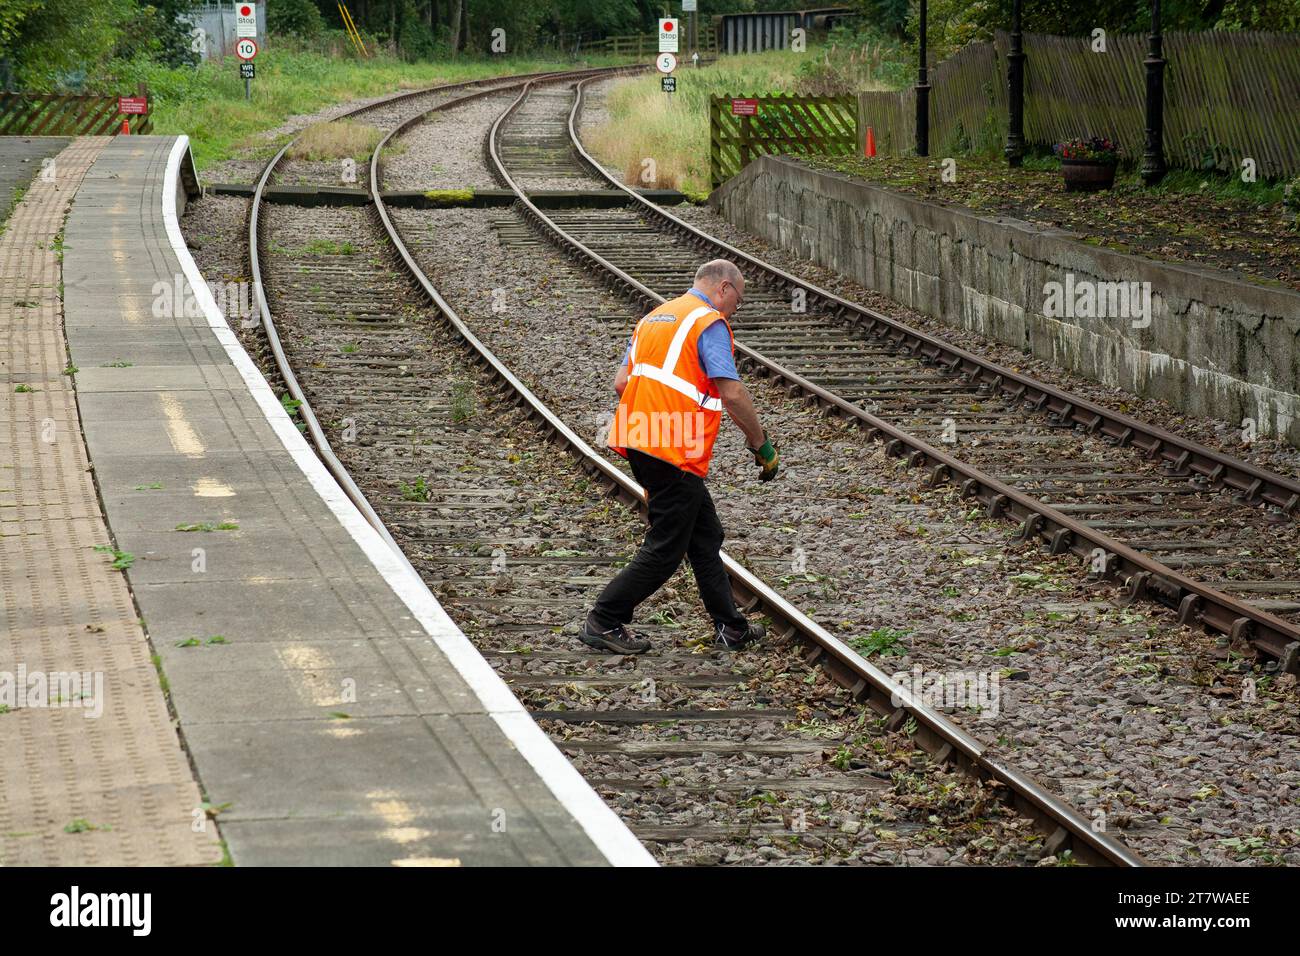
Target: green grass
(462,402)
(882,641)
(162,677)
(329,247)
(81,825)
(646,123)
(208,526)
(122,560)
(336,140)
(418,490)
(208,103)
(14,200)
(450,197)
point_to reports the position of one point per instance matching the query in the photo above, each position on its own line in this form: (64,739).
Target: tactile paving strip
(87,776)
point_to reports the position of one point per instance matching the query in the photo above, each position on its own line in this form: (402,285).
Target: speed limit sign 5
(246,49)
(666,63)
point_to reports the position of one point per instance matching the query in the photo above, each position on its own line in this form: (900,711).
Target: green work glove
(767,458)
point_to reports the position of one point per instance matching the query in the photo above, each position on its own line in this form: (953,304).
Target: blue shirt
(714,345)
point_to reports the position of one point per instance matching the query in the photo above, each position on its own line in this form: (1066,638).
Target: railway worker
(677,375)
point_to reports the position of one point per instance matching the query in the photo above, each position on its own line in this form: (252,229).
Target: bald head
(723,283)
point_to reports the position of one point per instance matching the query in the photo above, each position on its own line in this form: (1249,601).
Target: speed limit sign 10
(246,49)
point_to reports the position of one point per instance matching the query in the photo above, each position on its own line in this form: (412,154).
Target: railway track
(514,541)
(385,114)
(1211,536)
(709,758)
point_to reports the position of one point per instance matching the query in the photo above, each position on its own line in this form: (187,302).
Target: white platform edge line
(601,824)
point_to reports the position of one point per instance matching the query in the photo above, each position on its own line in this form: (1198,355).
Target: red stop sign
(668,27)
(245,11)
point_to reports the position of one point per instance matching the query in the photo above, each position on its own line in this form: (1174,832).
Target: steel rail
(1140,575)
(931,730)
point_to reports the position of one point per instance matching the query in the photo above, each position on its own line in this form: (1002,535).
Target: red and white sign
(246,49)
(666,63)
(245,20)
(744,107)
(668,35)
(133,105)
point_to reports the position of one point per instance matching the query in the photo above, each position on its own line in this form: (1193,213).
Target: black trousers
(683,523)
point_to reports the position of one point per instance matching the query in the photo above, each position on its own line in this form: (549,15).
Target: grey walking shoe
(733,638)
(617,639)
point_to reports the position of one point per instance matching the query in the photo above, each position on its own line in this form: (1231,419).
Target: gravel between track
(1130,714)
(446,151)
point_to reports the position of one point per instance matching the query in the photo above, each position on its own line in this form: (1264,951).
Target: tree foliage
(298,17)
(954,23)
(46,43)
(65,43)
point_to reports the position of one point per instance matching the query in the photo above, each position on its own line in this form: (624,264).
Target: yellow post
(349,25)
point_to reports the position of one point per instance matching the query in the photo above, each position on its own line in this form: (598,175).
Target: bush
(297,17)
(1291,200)
(852,60)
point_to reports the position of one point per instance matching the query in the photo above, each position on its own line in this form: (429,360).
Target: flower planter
(1087,175)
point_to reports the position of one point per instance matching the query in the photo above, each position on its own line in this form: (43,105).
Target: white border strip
(600,823)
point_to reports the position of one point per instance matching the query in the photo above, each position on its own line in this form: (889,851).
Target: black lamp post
(922,96)
(1015,148)
(1153,159)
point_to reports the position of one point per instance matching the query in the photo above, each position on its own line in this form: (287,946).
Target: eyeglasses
(739,298)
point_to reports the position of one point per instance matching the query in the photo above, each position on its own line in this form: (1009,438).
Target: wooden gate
(57,114)
(743,128)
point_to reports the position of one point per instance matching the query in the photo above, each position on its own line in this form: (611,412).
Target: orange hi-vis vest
(670,409)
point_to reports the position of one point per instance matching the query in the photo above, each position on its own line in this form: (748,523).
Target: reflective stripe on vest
(666,374)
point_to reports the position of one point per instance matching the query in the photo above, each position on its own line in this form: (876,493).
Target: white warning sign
(668,35)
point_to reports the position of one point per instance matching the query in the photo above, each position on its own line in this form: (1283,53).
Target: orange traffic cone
(871,142)
(126,128)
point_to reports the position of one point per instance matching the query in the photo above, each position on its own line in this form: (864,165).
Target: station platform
(330,710)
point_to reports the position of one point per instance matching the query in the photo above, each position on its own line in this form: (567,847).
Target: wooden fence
(783,123)
(55,114)
(645,46)
(1228,96)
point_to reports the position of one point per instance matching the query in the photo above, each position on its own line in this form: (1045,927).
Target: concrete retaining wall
(1209,344)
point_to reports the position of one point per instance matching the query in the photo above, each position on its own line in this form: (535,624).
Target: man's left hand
(767,458)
